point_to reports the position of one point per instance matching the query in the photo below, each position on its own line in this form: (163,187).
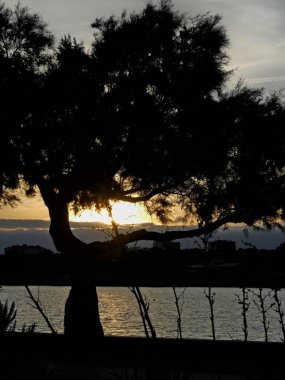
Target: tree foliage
(250,187)
(24,41)
(142,116)
(124,118)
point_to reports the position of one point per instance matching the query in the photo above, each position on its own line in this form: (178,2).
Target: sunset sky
(256,30)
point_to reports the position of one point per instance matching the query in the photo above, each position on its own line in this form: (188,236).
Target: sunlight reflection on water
(120,315)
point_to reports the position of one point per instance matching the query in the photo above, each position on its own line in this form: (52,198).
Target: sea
(120,316)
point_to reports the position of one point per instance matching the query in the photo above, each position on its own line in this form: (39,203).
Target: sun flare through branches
(123,213)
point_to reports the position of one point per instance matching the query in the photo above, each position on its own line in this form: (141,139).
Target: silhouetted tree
(140,117)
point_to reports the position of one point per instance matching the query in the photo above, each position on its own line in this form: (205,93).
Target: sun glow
(123,213)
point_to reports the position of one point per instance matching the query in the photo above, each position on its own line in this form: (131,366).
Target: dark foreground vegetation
(41,356)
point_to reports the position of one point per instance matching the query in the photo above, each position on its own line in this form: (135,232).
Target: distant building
(222,246)
(27,250)
(167,245)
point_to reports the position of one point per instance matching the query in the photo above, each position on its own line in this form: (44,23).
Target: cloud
(13,224)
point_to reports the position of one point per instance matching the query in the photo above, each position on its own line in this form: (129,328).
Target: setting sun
(123,213)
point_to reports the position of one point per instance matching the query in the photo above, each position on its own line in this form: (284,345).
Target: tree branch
(39,307)
(143,198)
(174,235)
(133,191)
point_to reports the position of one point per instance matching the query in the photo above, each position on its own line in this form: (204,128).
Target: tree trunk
(81,309)
(81,316)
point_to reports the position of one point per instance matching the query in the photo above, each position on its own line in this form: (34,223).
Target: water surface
(120,314)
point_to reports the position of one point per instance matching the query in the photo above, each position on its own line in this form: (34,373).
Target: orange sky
(34,208)
(28,208)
